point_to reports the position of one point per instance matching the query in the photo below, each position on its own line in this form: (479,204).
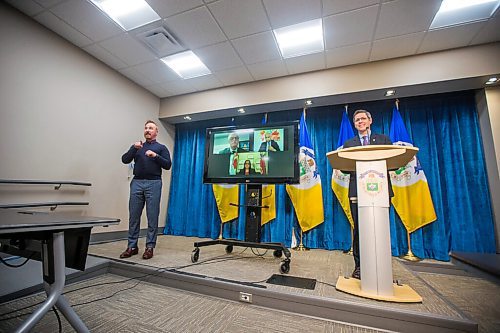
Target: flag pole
(352,240)
(301,246)
(409,255)
(220,234)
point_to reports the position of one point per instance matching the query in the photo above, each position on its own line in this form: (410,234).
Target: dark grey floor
(448,291)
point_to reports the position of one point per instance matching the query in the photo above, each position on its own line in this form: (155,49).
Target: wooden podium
(371,164)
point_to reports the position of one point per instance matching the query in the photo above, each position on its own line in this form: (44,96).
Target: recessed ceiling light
(454,12)
(300,39)
(129,14)
(309,102)
(390,92)
(241,110)
(187,117)
(186,64)
(492,79)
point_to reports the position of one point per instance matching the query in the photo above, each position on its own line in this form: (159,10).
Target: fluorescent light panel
(129,14)
(186,64)
(455,12)
(300,39)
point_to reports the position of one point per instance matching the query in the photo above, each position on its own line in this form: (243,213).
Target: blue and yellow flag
(340,180)
(269,200)
(306,197)
(225,194)
(412,197)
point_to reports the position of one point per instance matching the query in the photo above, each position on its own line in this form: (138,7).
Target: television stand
(252,231)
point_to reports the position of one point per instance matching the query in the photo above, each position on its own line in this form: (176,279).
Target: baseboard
(113,236)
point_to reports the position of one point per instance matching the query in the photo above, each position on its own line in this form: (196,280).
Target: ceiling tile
(349,28)
(156,71)
(29,7)
(489,33)
(205,82)
(48,3)
(105,56)
(287,12)
(87,19)
(239,18)
(268,69)
(166,8)
(62,29)
(136,76)
(159,91)
(449,38)
(178,87)
(403,17)
(128,49)
(306,63)
(348,55)
(257,48)
(396,46)
(219,56)
(233,76)
(195,28)
(339,6)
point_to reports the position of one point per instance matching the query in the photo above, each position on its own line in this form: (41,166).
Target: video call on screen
(256,152)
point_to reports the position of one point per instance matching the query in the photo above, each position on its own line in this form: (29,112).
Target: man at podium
(362,121)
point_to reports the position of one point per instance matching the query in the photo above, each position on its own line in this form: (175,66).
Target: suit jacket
(274,144)
(375,139)
(228,150)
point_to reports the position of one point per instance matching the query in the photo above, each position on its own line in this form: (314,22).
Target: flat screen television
(262,154)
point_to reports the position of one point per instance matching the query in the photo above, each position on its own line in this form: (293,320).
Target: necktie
(365,140)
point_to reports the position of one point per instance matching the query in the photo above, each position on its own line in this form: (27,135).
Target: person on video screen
(234,145)
(247,169)
(269,144)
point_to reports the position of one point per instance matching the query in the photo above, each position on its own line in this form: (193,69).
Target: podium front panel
(373,184)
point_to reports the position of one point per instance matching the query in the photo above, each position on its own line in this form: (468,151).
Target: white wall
(489,118)
(66,116)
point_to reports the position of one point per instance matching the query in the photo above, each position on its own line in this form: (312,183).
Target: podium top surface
(395,156)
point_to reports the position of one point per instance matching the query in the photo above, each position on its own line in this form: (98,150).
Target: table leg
(55,289)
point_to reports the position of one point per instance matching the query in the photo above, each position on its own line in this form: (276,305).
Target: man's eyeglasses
(360,119)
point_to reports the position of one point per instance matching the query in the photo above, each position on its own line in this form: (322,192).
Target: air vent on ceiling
(161,42)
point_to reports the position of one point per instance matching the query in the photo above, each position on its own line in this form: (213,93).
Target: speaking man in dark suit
(234,145)
(362,121)
(269,145)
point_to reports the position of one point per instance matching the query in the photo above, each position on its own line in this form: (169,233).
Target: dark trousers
(144,192)
(355,236)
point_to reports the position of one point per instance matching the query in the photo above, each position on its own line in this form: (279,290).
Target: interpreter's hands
(150,153)
(271,148)
(138,145)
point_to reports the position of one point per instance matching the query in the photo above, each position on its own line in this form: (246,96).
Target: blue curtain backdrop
(445,127)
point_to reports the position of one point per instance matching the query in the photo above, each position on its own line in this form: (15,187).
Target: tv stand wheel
(285,266)
(195,255)
(229,249)
(277,253)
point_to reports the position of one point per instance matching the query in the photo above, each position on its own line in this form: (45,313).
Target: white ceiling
(234,37)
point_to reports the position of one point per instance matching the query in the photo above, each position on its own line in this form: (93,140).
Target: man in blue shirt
(145,188)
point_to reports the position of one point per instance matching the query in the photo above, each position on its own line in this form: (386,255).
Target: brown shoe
(356,273)
(148,254)
(129,252)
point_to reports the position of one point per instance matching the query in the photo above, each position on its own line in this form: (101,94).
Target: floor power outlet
(245,297)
